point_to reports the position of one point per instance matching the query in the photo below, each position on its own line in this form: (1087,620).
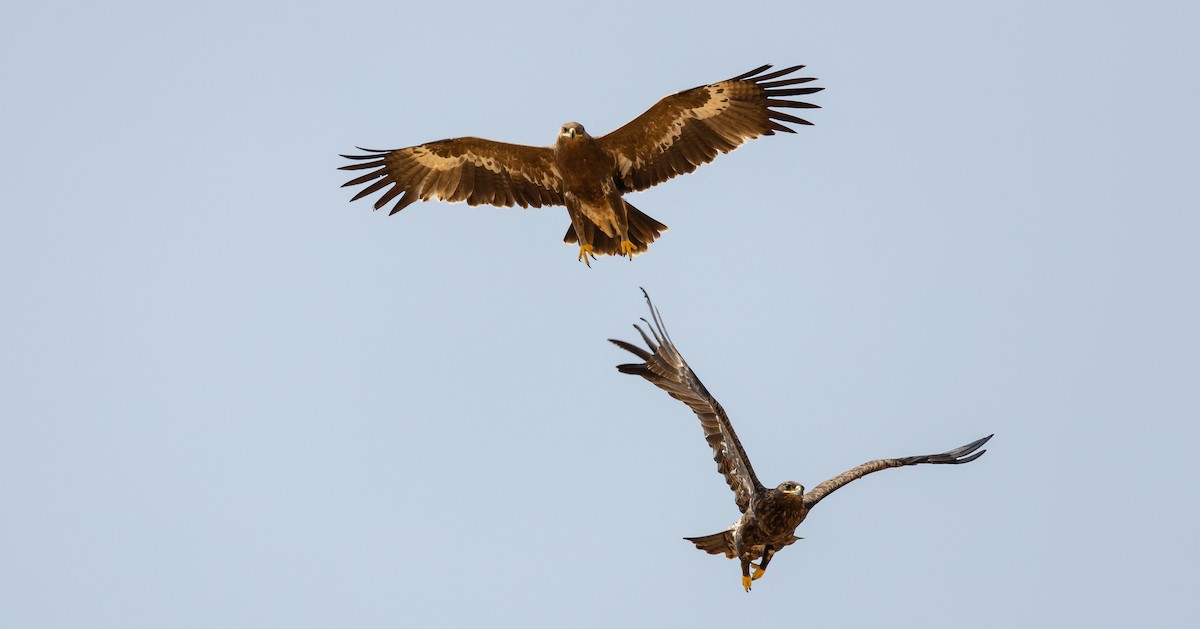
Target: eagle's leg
(746,579)
(583,233)
(627,246)
(760,568)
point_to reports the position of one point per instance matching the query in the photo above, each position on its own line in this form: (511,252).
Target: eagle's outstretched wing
(687,129)
(953,457)
(666,369)
(474,170)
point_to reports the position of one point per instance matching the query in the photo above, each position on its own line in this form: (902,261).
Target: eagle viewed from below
(589,174)
(769,516)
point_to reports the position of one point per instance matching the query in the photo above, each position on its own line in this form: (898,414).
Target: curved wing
(665,368)
(474,170)
(687,129)
(953,457)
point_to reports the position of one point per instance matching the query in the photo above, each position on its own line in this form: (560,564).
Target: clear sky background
(232,399)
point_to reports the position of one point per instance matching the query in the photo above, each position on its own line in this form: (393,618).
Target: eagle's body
(769,516)
(597,200)
(769,522)
(590,175)
(596,203)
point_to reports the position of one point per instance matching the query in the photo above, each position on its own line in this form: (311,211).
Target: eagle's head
(571,130)
(791,487)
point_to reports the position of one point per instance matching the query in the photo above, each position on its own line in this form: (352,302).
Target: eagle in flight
(769,516)
(587,174)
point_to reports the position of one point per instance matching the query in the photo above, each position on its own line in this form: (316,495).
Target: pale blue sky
(232,399)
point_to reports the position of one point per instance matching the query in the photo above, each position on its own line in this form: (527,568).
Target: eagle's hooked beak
(571,132)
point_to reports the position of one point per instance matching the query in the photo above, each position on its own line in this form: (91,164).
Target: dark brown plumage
(769,516)
(589,175)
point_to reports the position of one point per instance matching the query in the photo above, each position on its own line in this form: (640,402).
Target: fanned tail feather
(715,544)
(643,230)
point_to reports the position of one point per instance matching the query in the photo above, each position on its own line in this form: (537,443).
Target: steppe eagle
(769,516)
(589,175)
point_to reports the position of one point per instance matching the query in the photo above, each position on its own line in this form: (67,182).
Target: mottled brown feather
(690,128)
(957,456)
(665,368)
(475,170)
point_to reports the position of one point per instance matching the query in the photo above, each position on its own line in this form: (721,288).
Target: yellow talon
(628,248)
(758,573)
(585,251)
(746,583)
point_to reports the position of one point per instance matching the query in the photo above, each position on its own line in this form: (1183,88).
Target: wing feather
(665,368)
(690,128)
(957,456)
(475,170)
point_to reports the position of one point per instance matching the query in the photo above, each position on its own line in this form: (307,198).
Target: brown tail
(643,230)
(722,542)
(715,544)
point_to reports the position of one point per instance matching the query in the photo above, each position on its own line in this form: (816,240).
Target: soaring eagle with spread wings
(589,175)
(769,516)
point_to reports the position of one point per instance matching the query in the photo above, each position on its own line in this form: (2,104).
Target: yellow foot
(628,248)
(746,583)
(585,252)
(758,572)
